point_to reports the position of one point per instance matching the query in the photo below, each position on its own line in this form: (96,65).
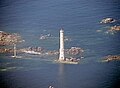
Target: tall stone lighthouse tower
(61,55)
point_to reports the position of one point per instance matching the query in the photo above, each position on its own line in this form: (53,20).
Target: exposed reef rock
(74,51)
(115,28)
(38,51)
(42,51)
(108,20)
(3,36)
(3,50)
(111,58)
(8,39)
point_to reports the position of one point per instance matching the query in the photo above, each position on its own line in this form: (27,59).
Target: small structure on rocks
(10,39)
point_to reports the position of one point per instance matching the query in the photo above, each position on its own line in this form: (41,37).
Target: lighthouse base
(67,61)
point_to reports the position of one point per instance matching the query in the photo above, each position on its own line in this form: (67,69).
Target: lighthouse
(61,51)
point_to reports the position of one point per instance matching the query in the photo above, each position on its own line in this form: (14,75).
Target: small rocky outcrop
(115,28)
(74,51)
(36,49)
(112,58)
(43,37)
(108,20)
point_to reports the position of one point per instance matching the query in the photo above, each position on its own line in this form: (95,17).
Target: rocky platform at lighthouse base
(68,61)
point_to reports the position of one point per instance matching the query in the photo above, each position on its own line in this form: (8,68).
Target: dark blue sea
(80,20)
